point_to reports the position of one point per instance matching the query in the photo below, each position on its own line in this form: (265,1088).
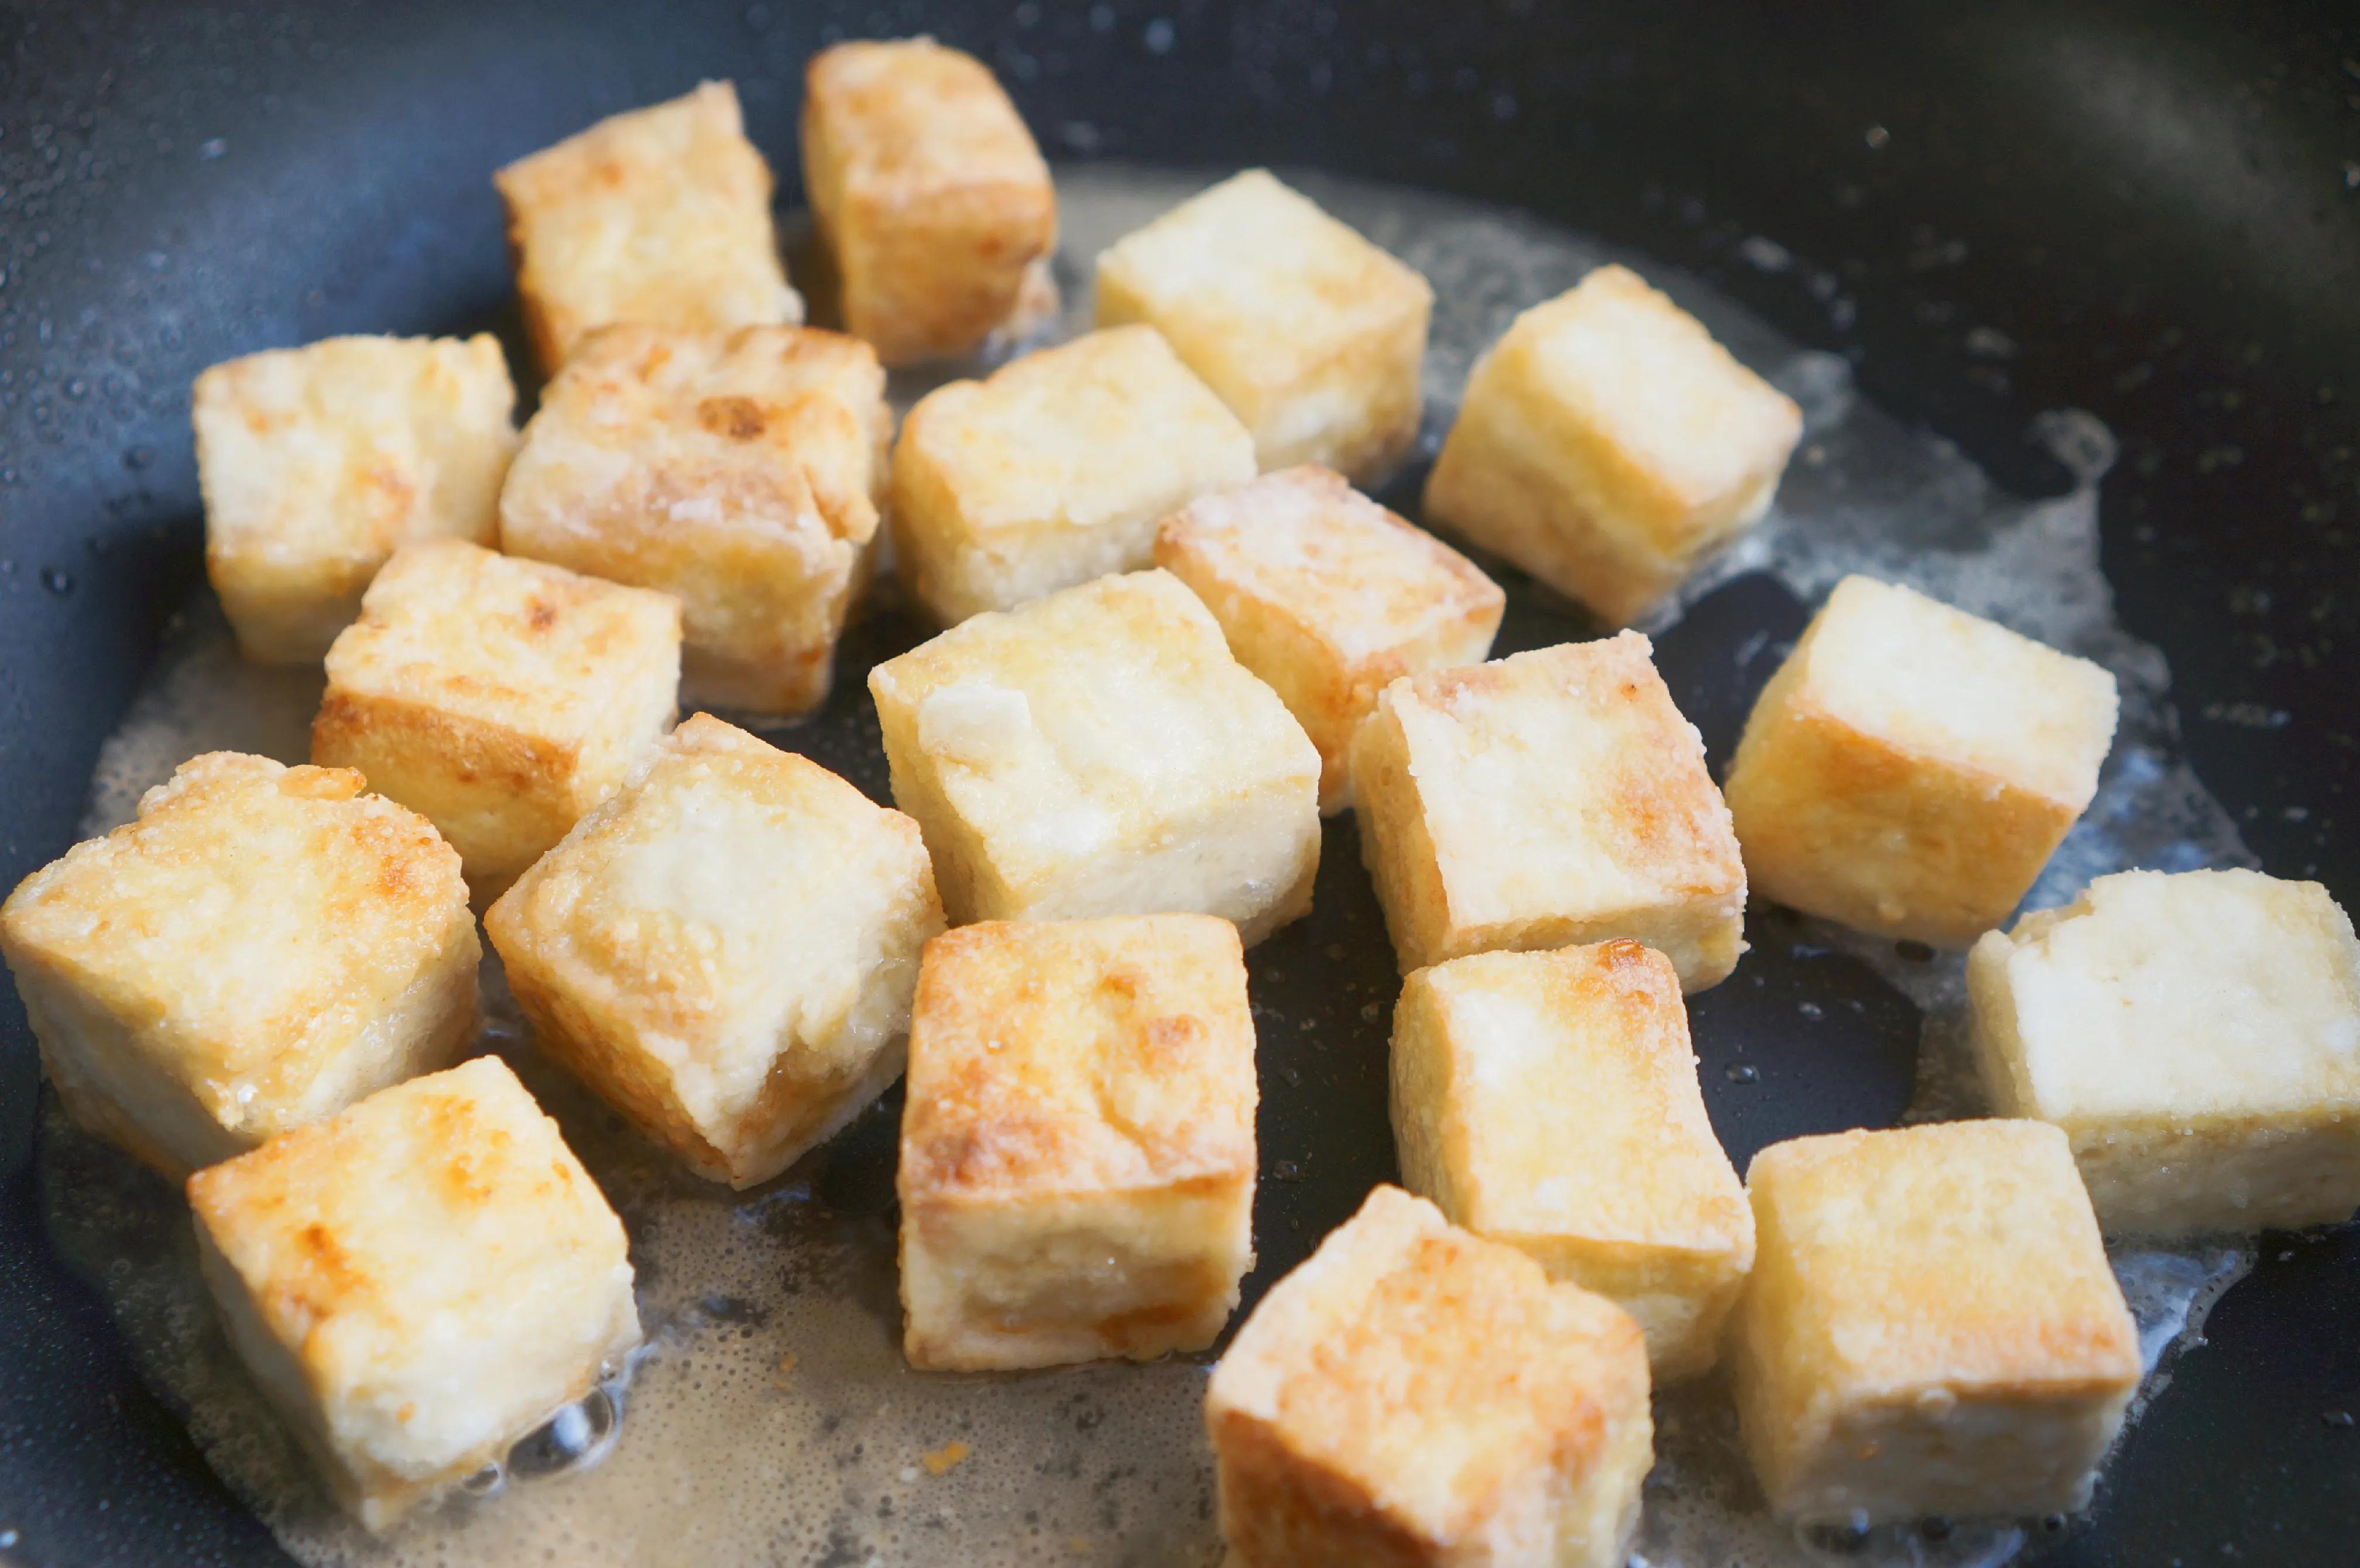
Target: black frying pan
(2160,213)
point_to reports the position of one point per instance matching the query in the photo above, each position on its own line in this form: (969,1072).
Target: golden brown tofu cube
(419,1283)
(661,215)
(1608,445)
(1549,1100)
(1546,799)
(1910,767)
(1077,1149)
(499,699)
(1327,596)
(1311,334)
(726,950)
(736,472)
(319,463)
(262,947)
(1930,1328)
(929,191)
(1054,471)
(1418,1397)
(1099,752)
(2196,1035)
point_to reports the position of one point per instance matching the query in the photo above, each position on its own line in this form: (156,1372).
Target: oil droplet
(56,580)
(1740,1072)
(2338,1418)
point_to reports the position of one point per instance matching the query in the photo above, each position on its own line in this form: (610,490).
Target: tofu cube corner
(1312,334)
(2197,1037)
(1549,1100)
(931,196)
(262,947)
(1911,767)
(417,1283)
(1550,798)
(1328,597)
(1099,752)
(1414,1395)
(1608,446)
(738,471)
(498,698)
(726,950)
(1930,1328)
(316,464)
(1077,1148)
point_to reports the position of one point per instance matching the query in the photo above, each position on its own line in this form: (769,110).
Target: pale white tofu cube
(1077,1148)
(499,699)
(1549,1100)
(934,200)
(1328,597)
(1415,1395)
(417,1283)
(1054,471)
(1931,1327)
(1608,445)
(2197,1036)
(319,463)
(262,947)
(726,950)
(737,472)
(1312,336)
(659,215)
(1099,752)
(1910,767)
(1546,799)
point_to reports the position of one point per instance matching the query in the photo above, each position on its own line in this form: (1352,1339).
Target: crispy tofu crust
(1077,1148)
(419,1282)
(930,192)
(1413,1395)
(661,215)
(2197,1037)
(1931,1326)
(1054,471)
(726,950)
(737,472)
(1911,767)
(1311,334)
(262,947)
(318,463)
(1549,1100)
(1099,752)
(1328,597)
(498,698)
(1546,799)
(1608,445)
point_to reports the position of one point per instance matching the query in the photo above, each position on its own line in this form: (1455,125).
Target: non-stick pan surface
(2023,206)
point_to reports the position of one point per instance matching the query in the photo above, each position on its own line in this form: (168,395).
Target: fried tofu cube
(661,215)
(317,462)
(1077,1148)
(417,1283)
(2196,1035)
(1608,445)
(1328,597)
(261,948)
(1054,471)
(1547,800)
(929,192)
(1910,767)
(1549,1100)
(737,472)
(1930,1328)
(1417,1396)
(1312,336)
(1099,752)
(499,699)
(726,950)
